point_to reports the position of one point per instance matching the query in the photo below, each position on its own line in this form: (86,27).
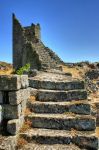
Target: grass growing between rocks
(97,131)
(21,143)
(32,99)
(70,114)
(26,126)
(27,112)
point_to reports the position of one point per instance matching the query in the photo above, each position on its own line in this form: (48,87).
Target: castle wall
(30,56)
(28,48)
(32,33)
(37,32)
(18,42)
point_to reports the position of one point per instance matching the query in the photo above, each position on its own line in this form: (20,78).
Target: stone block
(56,85)
(33,92)
(47,136)
(23,106)
(80,108)
(12,112)
(24,81)
(62,121)
(52,95)
(36,146)
(85,140)
(13,82)
(1,116)
(85,124)
(92,74)
(88,142)
(1,97)
(17,97)
(13,126)
(59,107)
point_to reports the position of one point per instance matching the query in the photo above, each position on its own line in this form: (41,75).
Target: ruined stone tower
(28,48)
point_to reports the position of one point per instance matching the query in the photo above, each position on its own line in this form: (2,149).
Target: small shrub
(23,69)
(92,66)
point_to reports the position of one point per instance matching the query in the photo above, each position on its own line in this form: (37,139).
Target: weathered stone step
(52,95)
(77,107)
(33,146)
(46,136)
(62,121)
(56,85)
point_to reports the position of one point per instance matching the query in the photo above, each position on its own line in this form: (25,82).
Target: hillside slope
(5,68)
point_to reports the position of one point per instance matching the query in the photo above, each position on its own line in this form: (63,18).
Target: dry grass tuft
(70,114)
(26,126)
(73,132)
(97,131)
(32,98)
(76,71)
(6,72)
(27,112)
(21,142)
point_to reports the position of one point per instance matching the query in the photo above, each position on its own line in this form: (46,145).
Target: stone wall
(18,42)
(28,48)
(14,94)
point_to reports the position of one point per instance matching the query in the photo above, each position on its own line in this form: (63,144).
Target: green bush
(23,69)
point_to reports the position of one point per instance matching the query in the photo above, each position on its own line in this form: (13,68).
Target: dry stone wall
(14,94)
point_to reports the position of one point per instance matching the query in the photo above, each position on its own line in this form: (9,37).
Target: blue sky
(69,27)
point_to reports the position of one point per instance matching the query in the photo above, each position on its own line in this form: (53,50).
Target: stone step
(62,121)
(52,95)
(33,146)
(46,136)
(78,107)
(56,85)
(59,72)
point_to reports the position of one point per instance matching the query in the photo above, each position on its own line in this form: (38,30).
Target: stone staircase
(61,115)
(45,56)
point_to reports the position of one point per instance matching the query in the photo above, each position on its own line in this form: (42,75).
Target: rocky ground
(7,142)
